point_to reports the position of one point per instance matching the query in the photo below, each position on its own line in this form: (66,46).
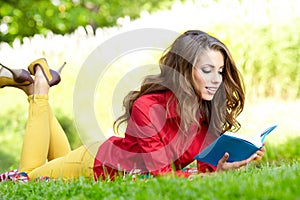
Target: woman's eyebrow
(211,65)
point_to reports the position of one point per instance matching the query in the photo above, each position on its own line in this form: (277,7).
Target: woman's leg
(59,145)
(37,136)
(44,137)
(79,162)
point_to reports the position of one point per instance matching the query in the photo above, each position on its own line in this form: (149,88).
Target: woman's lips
(211,90)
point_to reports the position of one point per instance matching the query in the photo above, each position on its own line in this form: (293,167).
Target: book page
(255,141)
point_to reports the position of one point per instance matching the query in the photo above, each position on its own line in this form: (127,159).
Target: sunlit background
(263,36)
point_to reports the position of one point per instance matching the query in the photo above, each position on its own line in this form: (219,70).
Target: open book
(239,147)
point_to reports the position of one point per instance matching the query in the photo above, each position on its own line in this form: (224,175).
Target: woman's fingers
(222,162)
(223,165)
(224,158)
(239,164)
(260,153)
(263,149)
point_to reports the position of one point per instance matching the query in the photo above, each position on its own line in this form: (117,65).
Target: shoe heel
(52,76)
(19,77)
(56,75)
(61,68)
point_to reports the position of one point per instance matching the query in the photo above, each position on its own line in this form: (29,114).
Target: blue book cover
(239,147)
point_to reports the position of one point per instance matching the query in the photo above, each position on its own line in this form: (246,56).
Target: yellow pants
(46,150)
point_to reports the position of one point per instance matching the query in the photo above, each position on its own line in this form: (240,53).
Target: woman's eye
(206,70)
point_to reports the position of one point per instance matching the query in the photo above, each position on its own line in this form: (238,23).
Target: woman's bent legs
(45,140)
(76,163)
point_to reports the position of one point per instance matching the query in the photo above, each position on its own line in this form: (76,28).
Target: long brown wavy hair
(176,74)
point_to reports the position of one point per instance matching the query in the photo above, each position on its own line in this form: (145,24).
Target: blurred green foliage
(284,152)
(25,18)
(268,57)
(11,128)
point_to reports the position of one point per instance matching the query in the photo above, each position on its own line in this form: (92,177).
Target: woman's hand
(260,153)
(223,165)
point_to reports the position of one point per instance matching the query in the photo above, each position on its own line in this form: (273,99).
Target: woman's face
(207,74)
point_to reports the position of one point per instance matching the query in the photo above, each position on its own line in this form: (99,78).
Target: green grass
(263,182)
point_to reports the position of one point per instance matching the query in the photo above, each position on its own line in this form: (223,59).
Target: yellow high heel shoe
(14,77)
(52,76)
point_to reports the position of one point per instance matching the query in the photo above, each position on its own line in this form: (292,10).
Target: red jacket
(153,142)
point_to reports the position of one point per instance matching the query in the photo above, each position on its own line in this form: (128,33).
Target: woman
(196,97)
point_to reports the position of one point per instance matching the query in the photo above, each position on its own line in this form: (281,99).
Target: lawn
(255,182)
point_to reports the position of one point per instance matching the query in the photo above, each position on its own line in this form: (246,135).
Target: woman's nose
(217,77)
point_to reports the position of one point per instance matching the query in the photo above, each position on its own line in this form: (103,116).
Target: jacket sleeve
(204,167)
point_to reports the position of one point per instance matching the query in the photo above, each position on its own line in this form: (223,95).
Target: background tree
(19,19)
